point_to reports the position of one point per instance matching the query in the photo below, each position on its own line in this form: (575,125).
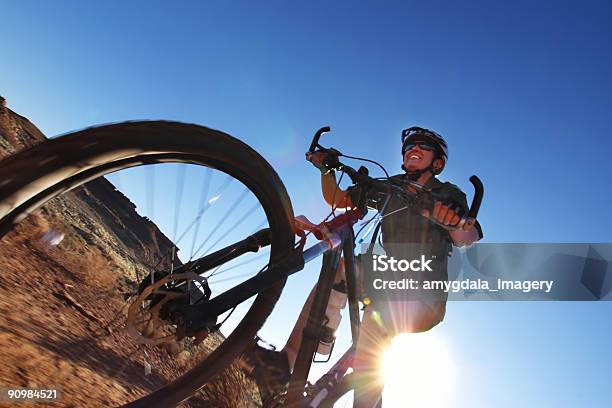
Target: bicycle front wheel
(55,224)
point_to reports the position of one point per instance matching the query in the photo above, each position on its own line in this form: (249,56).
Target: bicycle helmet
(421,135)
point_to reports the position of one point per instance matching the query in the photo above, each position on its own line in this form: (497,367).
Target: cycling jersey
(406,234)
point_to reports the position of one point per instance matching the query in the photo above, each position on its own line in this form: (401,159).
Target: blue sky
(521,91)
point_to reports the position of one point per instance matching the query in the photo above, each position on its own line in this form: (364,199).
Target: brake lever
(356,176)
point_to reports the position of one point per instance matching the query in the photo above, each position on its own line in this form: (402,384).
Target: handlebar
(478,194)
(317,136)
(421,196)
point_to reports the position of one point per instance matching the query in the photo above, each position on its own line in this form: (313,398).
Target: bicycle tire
(34,176)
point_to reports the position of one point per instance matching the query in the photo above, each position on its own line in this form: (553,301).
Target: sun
(418,372)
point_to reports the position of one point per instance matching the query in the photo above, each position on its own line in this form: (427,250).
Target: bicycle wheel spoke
(228,181)
(214,272)
(240,220)
(179,197)
(253,259)
(232,278)
(223,218)
(150,185)
(201,208)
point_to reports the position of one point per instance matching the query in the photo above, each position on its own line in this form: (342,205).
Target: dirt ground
(62,326)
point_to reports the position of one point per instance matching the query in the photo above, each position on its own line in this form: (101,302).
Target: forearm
(332,193)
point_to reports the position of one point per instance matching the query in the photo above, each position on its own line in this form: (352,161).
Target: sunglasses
(422,146)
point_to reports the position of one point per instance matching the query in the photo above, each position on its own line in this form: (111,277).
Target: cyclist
(424,154)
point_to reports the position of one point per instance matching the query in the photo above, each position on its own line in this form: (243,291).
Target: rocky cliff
(16,132)
(98,213)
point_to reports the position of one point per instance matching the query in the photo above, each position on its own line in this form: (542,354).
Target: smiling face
(417,158)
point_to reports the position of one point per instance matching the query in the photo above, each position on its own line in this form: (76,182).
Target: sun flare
(418,372)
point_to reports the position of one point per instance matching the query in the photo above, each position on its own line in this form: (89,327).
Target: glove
(445,213)
(320,160)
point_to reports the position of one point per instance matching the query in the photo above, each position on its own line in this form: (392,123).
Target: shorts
(413,316)
(408,316)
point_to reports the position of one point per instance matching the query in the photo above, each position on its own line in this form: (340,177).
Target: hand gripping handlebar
(361,177)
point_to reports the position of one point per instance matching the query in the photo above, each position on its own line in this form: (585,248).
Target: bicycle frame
(337,239)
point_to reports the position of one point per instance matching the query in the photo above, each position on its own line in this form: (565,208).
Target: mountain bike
(175,302)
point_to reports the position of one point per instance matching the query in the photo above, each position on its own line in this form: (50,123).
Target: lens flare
(418,372)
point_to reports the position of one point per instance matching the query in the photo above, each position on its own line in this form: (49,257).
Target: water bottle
(337,302)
